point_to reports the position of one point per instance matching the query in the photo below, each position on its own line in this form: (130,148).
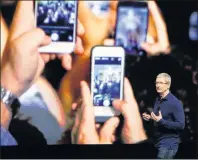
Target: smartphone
(107,76)
(131,26)
(99,8)
(58,18)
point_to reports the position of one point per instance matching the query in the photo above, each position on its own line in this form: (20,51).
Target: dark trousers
(166,152)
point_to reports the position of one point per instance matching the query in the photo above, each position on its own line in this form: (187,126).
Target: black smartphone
(58,18)
(107,78)
(131,26)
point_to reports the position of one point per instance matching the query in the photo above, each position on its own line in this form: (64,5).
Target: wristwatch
(10,100)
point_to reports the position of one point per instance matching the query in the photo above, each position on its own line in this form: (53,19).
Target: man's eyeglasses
(160,82)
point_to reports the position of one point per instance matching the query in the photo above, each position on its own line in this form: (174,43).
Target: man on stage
(168,118)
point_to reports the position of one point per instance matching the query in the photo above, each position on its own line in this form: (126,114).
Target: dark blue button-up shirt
(167,130)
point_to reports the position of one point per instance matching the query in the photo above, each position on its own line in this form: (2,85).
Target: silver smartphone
(58,18)
(107,75)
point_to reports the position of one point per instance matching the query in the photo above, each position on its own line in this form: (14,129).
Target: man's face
(161,85)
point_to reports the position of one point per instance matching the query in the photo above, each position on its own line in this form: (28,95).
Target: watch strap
(7,97)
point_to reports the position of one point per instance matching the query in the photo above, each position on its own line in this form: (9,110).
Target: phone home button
(54,37)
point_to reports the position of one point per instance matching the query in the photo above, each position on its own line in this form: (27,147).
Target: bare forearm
(70,85)
(4,34)
(51,99)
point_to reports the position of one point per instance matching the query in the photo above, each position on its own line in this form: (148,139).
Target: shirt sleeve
(179,119)
(6,138)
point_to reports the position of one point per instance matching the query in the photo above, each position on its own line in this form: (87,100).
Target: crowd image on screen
(56,13)
(106,86)
(131,30)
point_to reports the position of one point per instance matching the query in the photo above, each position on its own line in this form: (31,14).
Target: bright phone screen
(57,18)
(107,80)
(131,28)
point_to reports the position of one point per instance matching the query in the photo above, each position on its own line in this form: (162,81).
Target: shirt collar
(165,98)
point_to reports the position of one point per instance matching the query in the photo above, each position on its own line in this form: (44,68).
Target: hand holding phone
(107,132)
(59,20)
(107,74)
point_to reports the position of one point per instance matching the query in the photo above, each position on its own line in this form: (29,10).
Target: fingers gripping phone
(58,18)
(131,26)
(107,76)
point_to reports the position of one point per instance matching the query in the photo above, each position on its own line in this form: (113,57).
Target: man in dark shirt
(168,117)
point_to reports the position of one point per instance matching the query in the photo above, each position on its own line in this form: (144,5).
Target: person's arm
(70,85)
(51,99)
(16,77)
(54,105)
(178,123)
(4,34)
(69,90)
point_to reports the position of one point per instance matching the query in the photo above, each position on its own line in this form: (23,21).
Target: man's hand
(23,22)
(157,36)
(133,130)
(22,64)
(84,129)
(162,45)
(156,118)
(146,116)
(97,29)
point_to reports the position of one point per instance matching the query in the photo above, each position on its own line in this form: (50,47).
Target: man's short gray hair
(166,76)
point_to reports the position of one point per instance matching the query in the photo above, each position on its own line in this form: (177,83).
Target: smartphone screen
(99,8)
(57,18)
(131,28)
(107,76)
(107,79)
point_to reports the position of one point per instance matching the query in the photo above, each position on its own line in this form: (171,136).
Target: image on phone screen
(131,28)
(107,80)
(99,8)
(57,18)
